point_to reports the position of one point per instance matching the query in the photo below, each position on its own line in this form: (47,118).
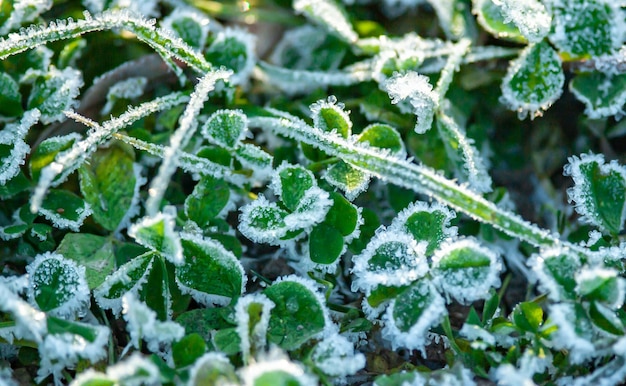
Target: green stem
(418,178)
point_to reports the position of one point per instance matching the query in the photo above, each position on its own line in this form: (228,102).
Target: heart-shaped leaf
(157,234)
(95,253)
(208,200)
(226,128)
(348,179)
(604,95)
(556,270)
(64,209)
(329,116)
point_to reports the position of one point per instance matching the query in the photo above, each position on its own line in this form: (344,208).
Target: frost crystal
(530,16)
(133,371)
(24,11)
(416,90)
(327,14)
(13,135)
(142,323)
(276,364)
(578,339)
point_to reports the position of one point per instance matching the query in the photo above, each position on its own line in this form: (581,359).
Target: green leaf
(298,315)
(209,197)
(584,28)
(191,26)
(157,234)
(226,128)
(411,314)
(325,244)
(263,221)
(291,183)
(380,294)
(253,157)
(465,270)
(328,14)
(108,182)
(57,285)
(330,116)
(203,321)
(10,97)
(209,273)
(528,316)
(187,350)
(14,186)
(490,17)
(599,191)
(64,209)
(382,136)
(233,49)
(227,341)
(93,252)
(343,215)
(348,179)
(213,369)
(601,285)
(426,222)
(533,81)
(47,151)
(605,318)
(604,95)
(556,270)
(55,92)
(530,16)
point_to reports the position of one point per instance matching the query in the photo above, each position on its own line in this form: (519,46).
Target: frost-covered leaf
(392,258)
(213,369)
(147,277)
(530,16)
(311,209)
(426,222)
(606,318)
(47,151)
(528,316)
(328,14)
(10,97)
(233,48)
(413,93)
(71,52)
(263,221)
(291,182)
(451,15)
(533,81)
(55,92)
(601,285)
(344,216)
(210,273)
(604,95)
(299,313)
(64,209)
(465,270)
(556,270)
(127,89)
(455,376)
(490,17)
(587,27)
(348,179)
(191,25)
(599,191)
(329,116)
(308,48)
(383,136)
(575,330)
(226,128)
(142,324)
(13,148)
(108,182)
(253,315)
(22,12)
(57,285)
(134,370)
(335,356)
(95,253)
(411,314)
(254,158)
(209,199)
(157,233)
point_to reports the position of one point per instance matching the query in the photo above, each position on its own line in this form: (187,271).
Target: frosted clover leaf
(534,81)
(57,285)
(13,148)
(233,48)
(253,315)
(134,370)
(335,356)
(275,368)
(328,14)
(530,16)
(598,192)
(604,94)
(413,93)
(226,128)
(54,92)
(465,270)
(556,270)
(157,233)
(192,26)
(65,209)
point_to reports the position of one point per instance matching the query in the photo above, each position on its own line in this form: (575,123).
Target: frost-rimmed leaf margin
(169,244)
(13,135)
(256,334)
(276,362)
(584,195)
(335,356)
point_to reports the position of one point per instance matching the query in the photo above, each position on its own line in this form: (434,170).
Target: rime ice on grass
(13,136)
(416,90)
(130,88)
(530,16)
(142,324)
(327,14)
(148,8)
(57,285)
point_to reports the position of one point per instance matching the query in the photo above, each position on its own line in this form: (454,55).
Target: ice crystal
(335,356)
(13,136)
(24,11)
(416,90)
(530,16)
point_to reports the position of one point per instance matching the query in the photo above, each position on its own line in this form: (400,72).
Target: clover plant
(312,192)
